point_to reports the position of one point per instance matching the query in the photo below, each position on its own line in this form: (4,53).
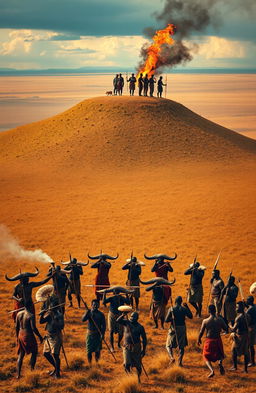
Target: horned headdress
(156,282)
(20,276)
(103,257)
(161,257)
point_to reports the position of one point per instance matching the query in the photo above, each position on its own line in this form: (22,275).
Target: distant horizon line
(113,70)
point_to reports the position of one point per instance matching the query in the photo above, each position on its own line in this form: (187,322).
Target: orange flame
(153,51)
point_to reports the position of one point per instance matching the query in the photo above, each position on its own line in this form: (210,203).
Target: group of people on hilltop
(226,314)
(145,85)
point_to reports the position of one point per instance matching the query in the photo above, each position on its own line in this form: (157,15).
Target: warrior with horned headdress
(133,266)
(75,270)
(161,268)
(103,266)
(115,301)
(23,291)
(158,304)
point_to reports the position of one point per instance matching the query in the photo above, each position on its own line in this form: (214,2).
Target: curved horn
(83,263)
(94,257)
(106,256)
(14,278)
(169,258)
(22,275)
(152,281)
(158,281)
(116,288)
(150,258)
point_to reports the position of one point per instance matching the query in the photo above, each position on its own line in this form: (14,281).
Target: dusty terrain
(122,174)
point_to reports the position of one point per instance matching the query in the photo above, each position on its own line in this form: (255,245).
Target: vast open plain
(120,174)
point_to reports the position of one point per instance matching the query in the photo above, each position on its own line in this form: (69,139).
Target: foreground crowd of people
(145,85)
(226,314)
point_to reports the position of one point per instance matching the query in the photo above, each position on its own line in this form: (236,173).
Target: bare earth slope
(124,131)
(122,174)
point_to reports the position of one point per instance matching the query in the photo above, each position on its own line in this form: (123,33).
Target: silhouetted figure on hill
(115,84)
(140,84)
(145,83)
(151,82)
(120,84)
(132,83)
(160,85)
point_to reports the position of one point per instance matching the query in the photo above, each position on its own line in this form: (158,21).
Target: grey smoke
(11,249)
(191,17)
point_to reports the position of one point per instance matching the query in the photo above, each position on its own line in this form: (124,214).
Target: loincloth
(93,342)
(134,283)
(195,294)
(27,342)
(132,355)
(53,343)
(157,310)
(114,326)
(181,335)
(240,343)
(213,349)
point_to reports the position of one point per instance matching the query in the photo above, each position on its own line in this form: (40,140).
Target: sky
(43,34)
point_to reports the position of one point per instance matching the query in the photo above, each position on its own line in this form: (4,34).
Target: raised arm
(86,316)
(126,266)
(39,283)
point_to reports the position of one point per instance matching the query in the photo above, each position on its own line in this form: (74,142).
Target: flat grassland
(120,174)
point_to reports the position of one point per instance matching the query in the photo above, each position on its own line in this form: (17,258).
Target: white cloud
(21,41)
(222,48)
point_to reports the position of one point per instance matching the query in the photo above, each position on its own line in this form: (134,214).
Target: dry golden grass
(75,363)
(160,362)
(173,374)
(71,184)
(128,384)
(192,341)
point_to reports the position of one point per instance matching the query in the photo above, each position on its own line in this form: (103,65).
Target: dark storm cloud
(193,18)
(82,17)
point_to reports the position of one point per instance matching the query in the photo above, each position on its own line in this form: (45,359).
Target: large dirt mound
(123,131)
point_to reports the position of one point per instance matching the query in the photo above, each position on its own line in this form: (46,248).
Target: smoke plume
(11,249)
(191,17)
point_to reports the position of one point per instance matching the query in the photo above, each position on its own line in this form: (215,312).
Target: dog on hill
(109,93)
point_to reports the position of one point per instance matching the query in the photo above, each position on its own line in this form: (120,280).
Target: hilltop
(119,132)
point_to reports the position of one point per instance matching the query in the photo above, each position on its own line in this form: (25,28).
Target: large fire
(153,51)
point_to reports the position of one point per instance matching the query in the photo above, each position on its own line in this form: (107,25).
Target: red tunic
(213,349)
(27,342)
(162,271)
(101,279)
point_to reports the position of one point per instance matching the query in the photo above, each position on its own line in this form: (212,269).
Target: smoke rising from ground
(191,17)
(11,249)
